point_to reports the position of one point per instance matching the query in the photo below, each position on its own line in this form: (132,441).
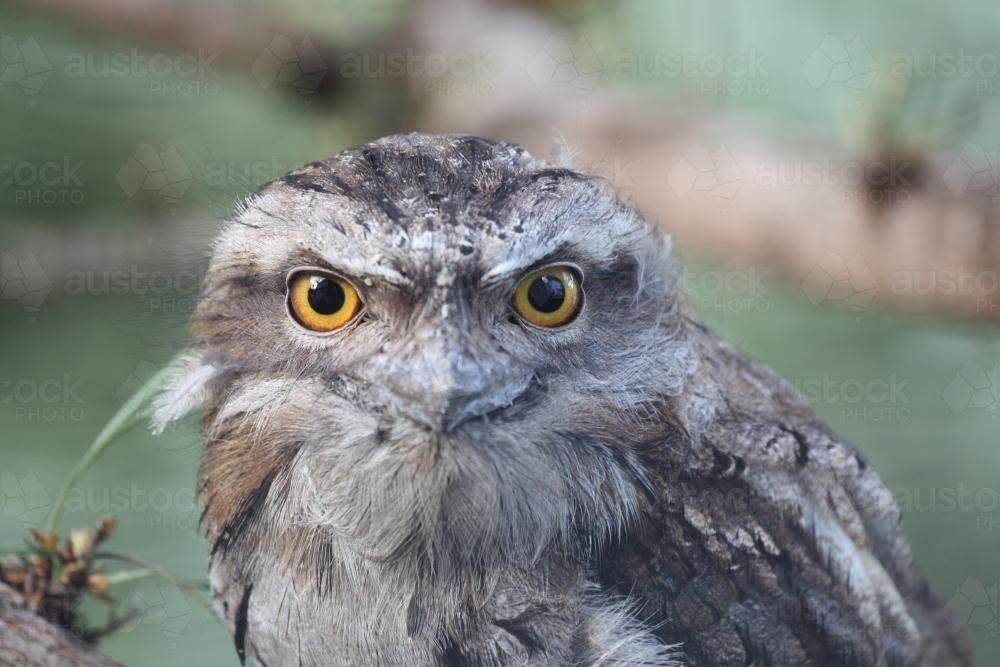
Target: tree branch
(30,640)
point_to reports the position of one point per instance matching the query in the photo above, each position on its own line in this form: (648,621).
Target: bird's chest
(499,618)
(278,619)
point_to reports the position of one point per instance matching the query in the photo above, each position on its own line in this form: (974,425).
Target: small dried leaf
(81,540)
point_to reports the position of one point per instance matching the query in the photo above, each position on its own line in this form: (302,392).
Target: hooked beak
(443,385)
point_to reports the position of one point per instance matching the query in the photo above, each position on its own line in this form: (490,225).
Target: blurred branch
(914,229)
(30,640)
(215,28)
(918,230)
(234,36)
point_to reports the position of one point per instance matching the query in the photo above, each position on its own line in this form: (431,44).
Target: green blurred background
(86,222)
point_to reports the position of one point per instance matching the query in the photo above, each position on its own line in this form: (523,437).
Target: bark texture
(28,640)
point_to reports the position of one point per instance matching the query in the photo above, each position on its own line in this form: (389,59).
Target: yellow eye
(549,297)
(322,302)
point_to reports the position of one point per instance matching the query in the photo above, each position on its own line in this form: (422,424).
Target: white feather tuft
(185,390)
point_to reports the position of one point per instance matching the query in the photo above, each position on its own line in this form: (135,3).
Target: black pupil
(546,294)
(325,296)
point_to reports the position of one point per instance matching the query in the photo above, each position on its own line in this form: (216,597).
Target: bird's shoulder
(765,536)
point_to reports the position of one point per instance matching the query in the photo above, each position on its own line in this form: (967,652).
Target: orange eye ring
(549,297)
(322,302)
